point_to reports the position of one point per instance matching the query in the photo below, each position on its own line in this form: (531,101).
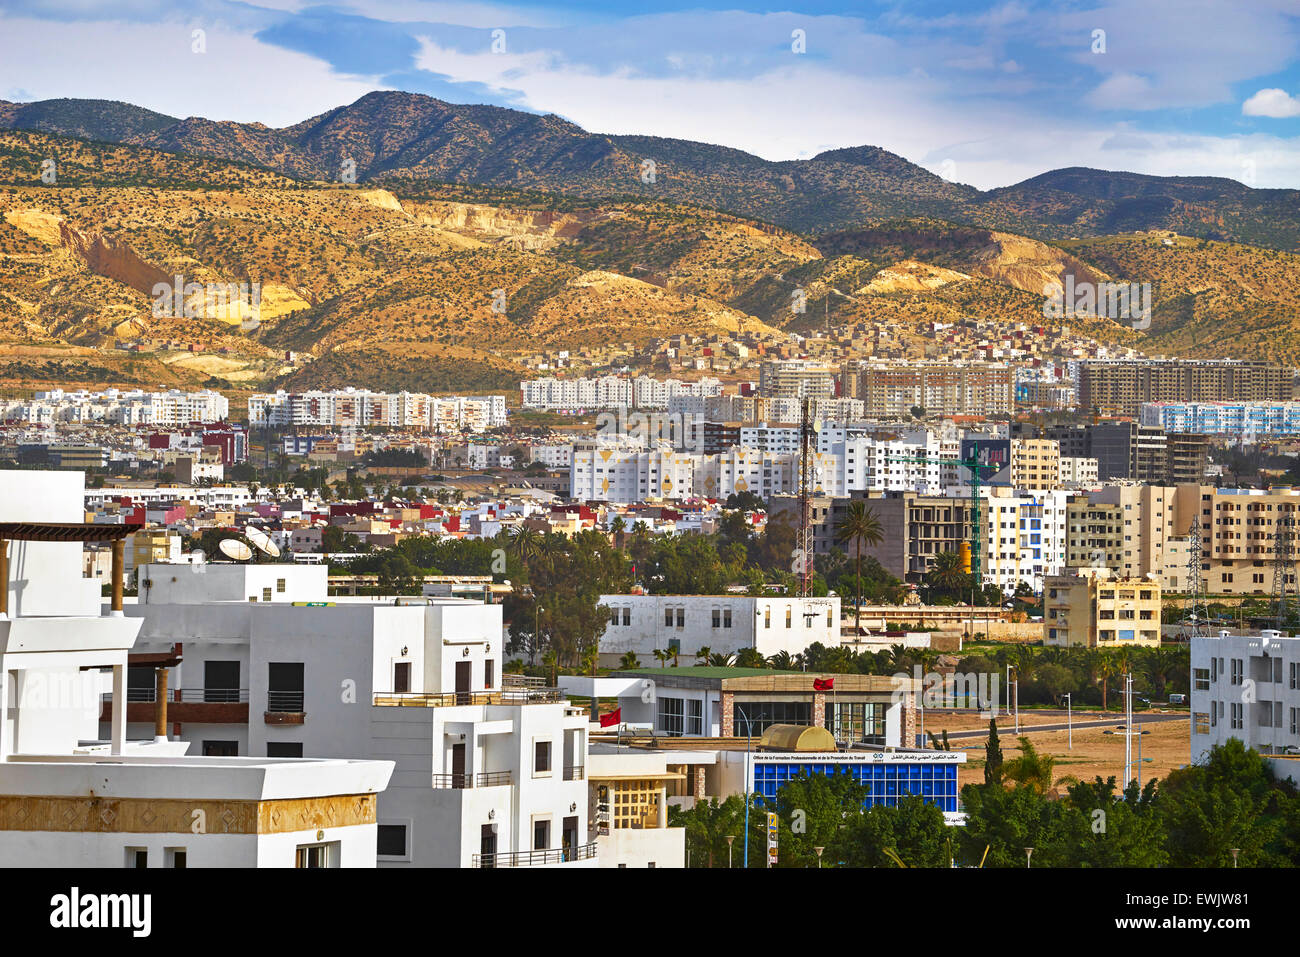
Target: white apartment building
(1079,471)
(134,407)
(552,456)
(1246,687)
(610,392)
(71,797)
(489,769)
(361,408)
(1025,538)
(724,624)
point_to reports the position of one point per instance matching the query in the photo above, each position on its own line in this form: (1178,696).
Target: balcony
(184,705)
(583,852)
(507,696)
(284,707)
(484,779)
(574,772)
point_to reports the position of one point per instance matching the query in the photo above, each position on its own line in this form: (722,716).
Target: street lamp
(1234,851)
(1068,723)
(1029,852)
(748,771)
(730,838)
(819,856)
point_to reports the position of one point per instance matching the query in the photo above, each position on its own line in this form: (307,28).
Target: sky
(981,93)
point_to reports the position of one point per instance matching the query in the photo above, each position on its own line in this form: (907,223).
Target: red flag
(823,684)
(611,719)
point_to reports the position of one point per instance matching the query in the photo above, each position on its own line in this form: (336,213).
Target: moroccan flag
(823,684)
(611,719)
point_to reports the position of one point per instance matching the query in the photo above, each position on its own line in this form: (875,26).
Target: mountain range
(392,136)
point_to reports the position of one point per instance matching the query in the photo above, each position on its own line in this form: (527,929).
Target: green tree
(993,756)
(859,524)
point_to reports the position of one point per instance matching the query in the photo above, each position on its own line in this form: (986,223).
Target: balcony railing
(284,702)
(583,852)
(573,772)
(484,779)
(508,696)
(186,695)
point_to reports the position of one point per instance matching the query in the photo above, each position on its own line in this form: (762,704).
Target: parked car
(1178,699)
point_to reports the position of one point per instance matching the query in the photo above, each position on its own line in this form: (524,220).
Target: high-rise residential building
(1035,464)
(1244,419)
(1120,387)
(796,379)
(892,390)
(1129,450)
(1093,609)
(362,408)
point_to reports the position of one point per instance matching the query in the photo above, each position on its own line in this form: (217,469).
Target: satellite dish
(234,549)
(262,541)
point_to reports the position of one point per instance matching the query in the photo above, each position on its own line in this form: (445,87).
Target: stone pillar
(160,703)
(663,806)
(819,709)
(909,722)
(698,782)
(726,716)
(119,570)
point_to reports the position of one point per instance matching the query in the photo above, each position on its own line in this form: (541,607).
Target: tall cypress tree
(993,756)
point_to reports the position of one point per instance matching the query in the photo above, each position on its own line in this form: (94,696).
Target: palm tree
(702,656)
(859,525)
(662,655)
(946,573)
(1106,669)
(618,528)
(781,661)
(719,660)
(750,658)
(526,543)
(1031,769)
(629,660)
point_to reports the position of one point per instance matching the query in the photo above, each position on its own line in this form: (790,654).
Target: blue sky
(983,93)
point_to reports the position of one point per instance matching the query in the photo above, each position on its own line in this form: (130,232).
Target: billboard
(993,456)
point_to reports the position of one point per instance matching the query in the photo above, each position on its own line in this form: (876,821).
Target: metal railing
(483,779)
(573,772)
(583,852)
(284,702)
(522,681)
(417,699)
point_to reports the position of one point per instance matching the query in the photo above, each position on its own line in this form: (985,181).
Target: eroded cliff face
(534,230)
(1028,264)
(111,259)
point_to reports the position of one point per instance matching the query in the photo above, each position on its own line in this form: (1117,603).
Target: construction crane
(974,464)
(804,543)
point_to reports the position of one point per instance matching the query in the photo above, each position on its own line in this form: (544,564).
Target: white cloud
(1275,103)
(152,65)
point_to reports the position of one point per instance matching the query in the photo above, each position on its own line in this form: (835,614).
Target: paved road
(1010,727)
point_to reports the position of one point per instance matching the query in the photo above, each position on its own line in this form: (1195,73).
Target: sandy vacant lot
(1167,745)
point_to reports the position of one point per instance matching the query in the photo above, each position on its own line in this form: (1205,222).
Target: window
(1295,675)
(726,618)
(694,716)
(266,594)
(764,713)
(681,617)
(279,585)
(221,681)
(1236,671)
(862,722)
(789,613)
(717,618)
(668,617)
(767,617)
(175,857)
(391,841)
(1201,679)
(634,804)
(670,717)
(1236,717)
(489,673)
(1201,722)
(284,749)
(627,616)
(541,835)
(316,855)
(220,749)
(284,686)
(137,857)
(541,757)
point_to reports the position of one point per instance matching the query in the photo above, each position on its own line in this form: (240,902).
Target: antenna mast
(1198,613)
(1284,585)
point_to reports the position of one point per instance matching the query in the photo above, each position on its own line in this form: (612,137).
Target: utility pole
(805,538)
(1069,724)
